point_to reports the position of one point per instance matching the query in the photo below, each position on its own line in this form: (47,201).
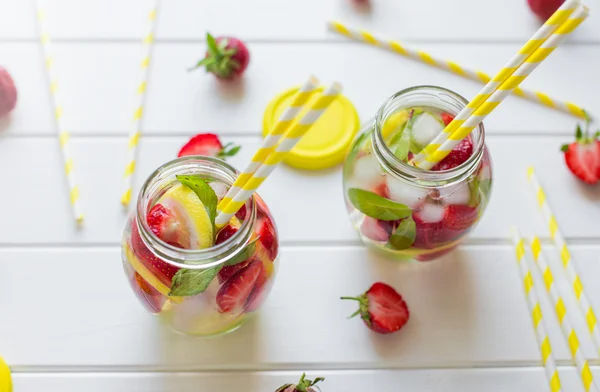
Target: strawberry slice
(164,225)
(149,296)
(226,233)
(447,118)
(163,271)
(208,144)
(268,236)
(232,296)
(259,293)
(461,153)
(460,217)
(583,155)
(382,309)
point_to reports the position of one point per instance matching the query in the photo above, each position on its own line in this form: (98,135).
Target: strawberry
(258,294)
(583,155)
(544,8)
(225,233)
(163,271)
(150,297)
(226,58)
(372,229)
(382,190)
(268,236)
(163,224)
(428,234)
(457,157)
(303,385)
(208,144)
(382,309)
(447,118)
(233,295)
(8,93)
(459,217)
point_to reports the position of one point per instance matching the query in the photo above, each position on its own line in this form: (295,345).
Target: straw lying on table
(535,311)
(256,175)
(399,48)
(500,87)
(563,317)
(63,134)
(299,100)
(134,135)
(565,256)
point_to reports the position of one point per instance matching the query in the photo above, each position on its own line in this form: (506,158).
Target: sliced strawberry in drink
(232,296)
(268,236)
(259,293)
(430,231)
(163,271)
(447,118)
(460,217)
(461,153)
(226,233)
(377,230)
(149,296)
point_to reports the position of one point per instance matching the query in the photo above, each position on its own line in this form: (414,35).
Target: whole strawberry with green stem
(583,155)
(304,385)
(226,57)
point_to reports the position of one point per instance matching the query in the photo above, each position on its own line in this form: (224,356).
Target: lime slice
(196,226)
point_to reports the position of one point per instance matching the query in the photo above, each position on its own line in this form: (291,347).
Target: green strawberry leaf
(229,150)
(211,43)
(578,133)
(245,254)
(188,282)
(375,206)
(205,193)
(564,148)
(405,235)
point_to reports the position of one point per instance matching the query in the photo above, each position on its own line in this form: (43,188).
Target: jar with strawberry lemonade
(401,210)
(198,279)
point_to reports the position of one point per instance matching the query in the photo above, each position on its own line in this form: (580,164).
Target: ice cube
(455,194)
(219,188)
(404,193)
(367,174)
(431,213)
(373,230)
(425,128)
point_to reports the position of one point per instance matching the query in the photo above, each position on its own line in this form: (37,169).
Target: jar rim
(161,179)
(403,170)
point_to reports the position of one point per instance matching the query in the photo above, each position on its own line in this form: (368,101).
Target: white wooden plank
(460,20)
(308,207)
(465,380)
(98,82)
(72,309)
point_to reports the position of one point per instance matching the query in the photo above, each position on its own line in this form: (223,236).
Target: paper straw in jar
(565,257)
(63,133)
(135,132)
(563,317)
(299,100)
(400,48)
(535,311)
(438,149)
(288,141)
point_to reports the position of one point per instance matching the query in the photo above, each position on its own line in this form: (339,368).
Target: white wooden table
(68,320)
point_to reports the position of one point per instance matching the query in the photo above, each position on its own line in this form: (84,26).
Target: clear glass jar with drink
(404,211)
(199,279)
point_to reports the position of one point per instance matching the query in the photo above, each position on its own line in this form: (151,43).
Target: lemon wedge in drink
(195,229)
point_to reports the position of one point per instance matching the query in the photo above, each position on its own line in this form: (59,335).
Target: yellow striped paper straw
(288,141)
(484,103)
(565,256)
(563,317)
(63,134)
(134,135)
(299,100)
(400,48)
(535,311)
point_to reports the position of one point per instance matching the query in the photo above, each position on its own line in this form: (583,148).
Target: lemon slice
(187,208)
(5,378)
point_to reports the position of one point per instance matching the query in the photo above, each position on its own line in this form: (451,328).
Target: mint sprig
(188,282)
(375,206)
(205,193)
(404,236)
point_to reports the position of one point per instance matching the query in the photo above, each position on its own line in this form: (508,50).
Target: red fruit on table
(544,8)
(208,144)
(226,57)
(447,118)
(233,295)
(162,270)
(8,93)
(457,157)
(382,309)
(303,385)
(583,155)
(459,217)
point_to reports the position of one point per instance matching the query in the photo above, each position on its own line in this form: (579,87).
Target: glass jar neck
(161,180)
(429,97)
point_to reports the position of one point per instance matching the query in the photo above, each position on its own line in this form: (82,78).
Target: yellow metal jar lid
(327,142)
(5,378)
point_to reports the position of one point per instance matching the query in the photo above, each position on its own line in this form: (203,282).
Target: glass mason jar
(404,211)
(202,291)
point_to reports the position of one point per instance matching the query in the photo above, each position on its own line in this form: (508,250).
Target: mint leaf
(205,193)
(188,282)
(375,206)
(405,235)
(245,254)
